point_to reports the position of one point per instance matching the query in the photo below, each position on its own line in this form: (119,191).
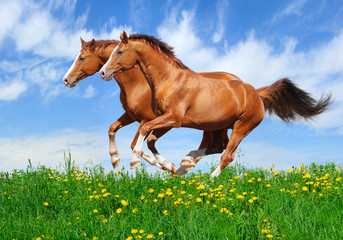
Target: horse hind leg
(212,142)
(240,130)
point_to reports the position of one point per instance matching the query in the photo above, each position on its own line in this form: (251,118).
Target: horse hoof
(188,163)
(115,162)
(134,164)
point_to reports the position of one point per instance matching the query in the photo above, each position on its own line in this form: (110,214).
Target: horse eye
(120,52)
(82,59)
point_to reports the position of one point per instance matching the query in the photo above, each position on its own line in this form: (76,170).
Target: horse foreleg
(165,121)
(124,120)
(150,159)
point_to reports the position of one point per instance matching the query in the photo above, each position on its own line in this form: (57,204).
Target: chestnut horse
(135,97)
(183,98)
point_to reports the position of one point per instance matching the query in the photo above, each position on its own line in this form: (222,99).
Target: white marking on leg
(71,68)
(136,152)
(193,157)
(216,172)
(113,150)
(164,162)
(150,159)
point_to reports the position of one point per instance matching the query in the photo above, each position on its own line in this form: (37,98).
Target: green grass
(70,203)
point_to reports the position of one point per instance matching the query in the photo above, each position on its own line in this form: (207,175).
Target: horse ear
(123,37)
(92,45)
(82,42)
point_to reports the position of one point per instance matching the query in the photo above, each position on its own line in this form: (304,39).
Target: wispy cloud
(12,89)
(222,6)
(293,8)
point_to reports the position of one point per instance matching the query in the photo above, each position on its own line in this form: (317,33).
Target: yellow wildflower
(133,231)
(46,204)
(149,236)
(124,203)
(119,210)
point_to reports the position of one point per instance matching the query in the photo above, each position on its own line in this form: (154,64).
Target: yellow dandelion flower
(141,231)
(165,212)
(149,236)
(160,233)
(199,200)
(129,238)
(105,220)
(119,210)
(95,211)
(124,203)
(69,223)
(183,192)
(160,195)
(134,210)
(95,238)
(103,190)
(101,216)
(268,185)
(151,190)
(169,193)
(240,196)
(305,188)
(134,231)
(269,236)
(155,200)
(46,204)
(250,200)
(142,197)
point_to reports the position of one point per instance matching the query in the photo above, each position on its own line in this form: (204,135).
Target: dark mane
(158,45)
(101,44)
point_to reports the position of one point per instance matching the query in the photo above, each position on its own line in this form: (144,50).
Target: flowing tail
(290,103)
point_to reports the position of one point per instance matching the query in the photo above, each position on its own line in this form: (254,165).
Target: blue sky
(259,41)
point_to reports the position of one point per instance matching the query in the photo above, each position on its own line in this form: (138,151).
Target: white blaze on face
(106,64)
(71,68)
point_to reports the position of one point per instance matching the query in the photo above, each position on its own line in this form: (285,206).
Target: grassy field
(73,203)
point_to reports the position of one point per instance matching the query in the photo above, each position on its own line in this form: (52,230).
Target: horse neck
(104,54)
(156,66)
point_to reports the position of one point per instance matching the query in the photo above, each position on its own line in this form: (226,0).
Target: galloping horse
(135,97)
(183,98)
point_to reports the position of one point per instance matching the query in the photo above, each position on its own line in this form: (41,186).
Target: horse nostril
(65,80)
(102,73)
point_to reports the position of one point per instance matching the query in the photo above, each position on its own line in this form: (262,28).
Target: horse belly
(217,112)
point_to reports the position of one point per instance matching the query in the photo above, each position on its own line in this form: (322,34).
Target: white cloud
(90,92)
(10,13)
(11,90)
